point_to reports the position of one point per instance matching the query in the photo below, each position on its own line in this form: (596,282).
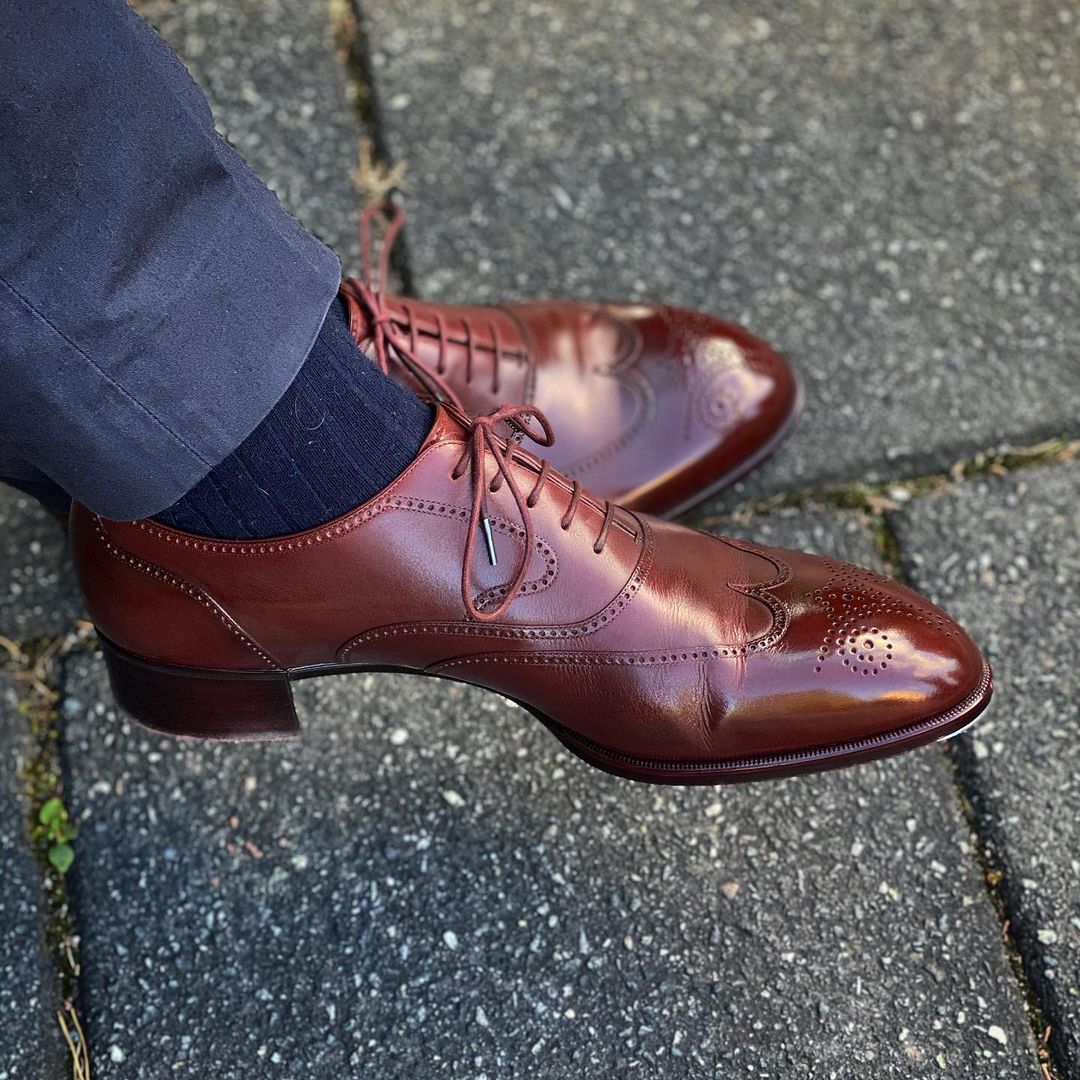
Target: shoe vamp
(635,404)
(586,382)
(701,591)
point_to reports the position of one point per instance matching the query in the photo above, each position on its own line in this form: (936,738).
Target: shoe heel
(199,703)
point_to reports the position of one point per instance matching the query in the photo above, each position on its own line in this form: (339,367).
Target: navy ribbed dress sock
(340,434)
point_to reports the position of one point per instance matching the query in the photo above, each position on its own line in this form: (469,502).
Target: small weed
(76,1041)
(50,830)
(55,832)
(373,178)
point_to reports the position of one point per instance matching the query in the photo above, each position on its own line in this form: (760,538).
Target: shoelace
(483,440)
(391,340)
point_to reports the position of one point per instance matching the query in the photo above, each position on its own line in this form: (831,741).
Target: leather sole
(255,705)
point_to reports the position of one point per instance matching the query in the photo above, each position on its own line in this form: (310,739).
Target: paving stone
(428,885)
(887,192)
(38,593)
(1003,557)
(278,91)
(30,1043)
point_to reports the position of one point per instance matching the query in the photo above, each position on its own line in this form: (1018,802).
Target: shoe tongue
(446,426)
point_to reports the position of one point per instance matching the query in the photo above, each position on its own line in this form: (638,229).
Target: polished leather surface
(654,650)
(655,407)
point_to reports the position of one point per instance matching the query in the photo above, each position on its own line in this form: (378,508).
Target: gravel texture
(1002,555)
(886,191)
(428,885)
(38,593)
(31,1047)
(279,93)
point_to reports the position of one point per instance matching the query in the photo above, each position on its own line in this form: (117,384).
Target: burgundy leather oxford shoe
(651,650)
(656,407)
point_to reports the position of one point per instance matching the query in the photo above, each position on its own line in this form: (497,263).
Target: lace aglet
(489,541)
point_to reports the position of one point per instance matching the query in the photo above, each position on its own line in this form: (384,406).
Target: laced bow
(483,441)
(367,296)
(390,340)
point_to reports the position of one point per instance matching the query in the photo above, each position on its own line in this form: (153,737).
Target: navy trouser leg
(155,299)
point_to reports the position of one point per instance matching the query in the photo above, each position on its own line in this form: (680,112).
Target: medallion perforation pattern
(857,606)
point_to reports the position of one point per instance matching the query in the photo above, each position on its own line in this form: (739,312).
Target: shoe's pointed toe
(724,399)
(658,407)
(729,661)
(864,667)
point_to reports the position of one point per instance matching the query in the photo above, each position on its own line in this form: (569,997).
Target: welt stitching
(160,574)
